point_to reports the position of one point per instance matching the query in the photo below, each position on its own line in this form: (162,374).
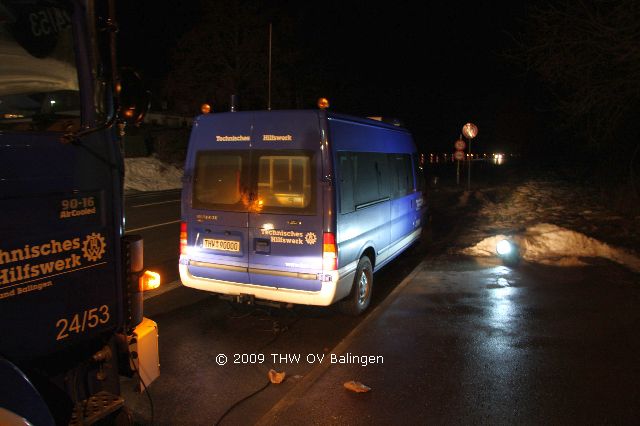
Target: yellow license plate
(224,245)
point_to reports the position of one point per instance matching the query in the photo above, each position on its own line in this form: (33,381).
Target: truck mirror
(134,99)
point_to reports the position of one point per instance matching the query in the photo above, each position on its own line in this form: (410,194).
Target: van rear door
(218,218)
(285,228)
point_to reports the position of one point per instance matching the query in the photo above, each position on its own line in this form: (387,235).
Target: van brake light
(183,238)
(329,252)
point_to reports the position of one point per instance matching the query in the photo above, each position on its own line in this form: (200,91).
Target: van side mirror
(133,98)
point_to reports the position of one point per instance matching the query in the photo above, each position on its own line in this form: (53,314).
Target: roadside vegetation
(585,56)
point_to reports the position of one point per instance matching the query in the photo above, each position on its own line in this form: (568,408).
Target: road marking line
(162,289)
(151,226)
(155,204)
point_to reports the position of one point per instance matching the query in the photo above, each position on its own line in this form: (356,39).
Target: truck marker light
(329,252)
(183,238)
(149,281)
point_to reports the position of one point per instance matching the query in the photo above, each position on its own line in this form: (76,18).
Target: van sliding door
(371,197)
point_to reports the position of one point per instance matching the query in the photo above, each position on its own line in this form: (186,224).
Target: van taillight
(183,238)
(329,252)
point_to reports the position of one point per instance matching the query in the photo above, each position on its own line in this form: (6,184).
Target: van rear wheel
(360,297)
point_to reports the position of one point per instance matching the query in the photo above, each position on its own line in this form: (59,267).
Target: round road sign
(470,130)
(459,155)
(460,145)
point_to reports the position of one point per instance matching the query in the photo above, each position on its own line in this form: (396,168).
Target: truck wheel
(360,297)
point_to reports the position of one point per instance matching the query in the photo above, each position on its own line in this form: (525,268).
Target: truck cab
(69,278)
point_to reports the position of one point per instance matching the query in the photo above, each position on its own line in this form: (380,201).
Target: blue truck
(297,207)
(70,280)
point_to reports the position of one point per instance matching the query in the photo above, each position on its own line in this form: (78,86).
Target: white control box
(145,353)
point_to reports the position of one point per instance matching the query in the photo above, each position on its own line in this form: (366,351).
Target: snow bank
(150,174)
(554,245)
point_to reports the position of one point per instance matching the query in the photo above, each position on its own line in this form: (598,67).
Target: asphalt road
(464,343)
(468,342)
(184,316)
(156,216)
(196,327)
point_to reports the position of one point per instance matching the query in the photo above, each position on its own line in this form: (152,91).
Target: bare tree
(588,54)
(225,53)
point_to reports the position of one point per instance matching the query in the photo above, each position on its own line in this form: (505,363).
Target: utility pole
(270,41)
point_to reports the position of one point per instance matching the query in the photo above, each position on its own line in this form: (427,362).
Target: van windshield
(256,181)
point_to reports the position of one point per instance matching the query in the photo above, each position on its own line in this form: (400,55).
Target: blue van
(297,207)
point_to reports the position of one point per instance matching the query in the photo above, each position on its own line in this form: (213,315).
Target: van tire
(360,297)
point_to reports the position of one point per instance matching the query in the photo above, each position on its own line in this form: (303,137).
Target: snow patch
(553,245)
(151,174)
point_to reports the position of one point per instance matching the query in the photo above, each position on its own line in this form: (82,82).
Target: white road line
(155,204)
(151,226)
(163,289)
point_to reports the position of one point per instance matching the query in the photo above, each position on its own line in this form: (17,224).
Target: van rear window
(284,181)
(220,180)
(257,181)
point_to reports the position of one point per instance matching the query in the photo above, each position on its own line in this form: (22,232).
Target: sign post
(470,131)
(459,156)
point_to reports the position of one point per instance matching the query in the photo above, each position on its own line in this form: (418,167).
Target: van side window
(401,175)
(371,178)
(218,177)
(345,176)
(365,178)
(382,173)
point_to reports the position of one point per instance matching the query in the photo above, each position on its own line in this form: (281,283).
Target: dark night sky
(435,65)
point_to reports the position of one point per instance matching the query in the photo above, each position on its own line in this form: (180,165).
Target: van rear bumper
(330,291)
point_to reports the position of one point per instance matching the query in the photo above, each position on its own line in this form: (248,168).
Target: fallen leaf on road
(276,377)
(356,387)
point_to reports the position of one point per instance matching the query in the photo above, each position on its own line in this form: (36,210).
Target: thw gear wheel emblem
(310,238)
(93,247)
